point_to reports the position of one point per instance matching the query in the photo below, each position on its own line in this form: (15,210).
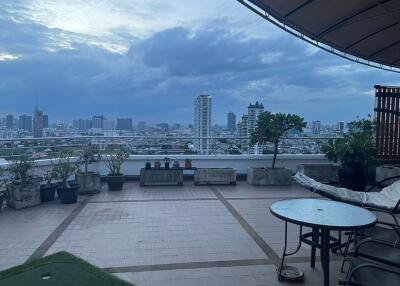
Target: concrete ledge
(323,173)
(161,177)
(214,176)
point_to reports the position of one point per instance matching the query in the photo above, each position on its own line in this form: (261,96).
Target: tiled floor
(190,235)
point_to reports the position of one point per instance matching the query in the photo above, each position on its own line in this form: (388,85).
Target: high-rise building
(202,123)
(10,121)
(340,126)
(109,124)
(141,126)
(247,126)
(82,124)
(254,110)
(231,124)
(316,127)
(97,121)
(45,121)
(37,122)
(124,124)
(25,122)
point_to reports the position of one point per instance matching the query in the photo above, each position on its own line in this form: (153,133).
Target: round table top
(323,214)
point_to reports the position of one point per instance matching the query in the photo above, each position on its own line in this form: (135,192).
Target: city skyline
(134,65)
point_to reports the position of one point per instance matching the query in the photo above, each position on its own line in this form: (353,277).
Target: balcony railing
(50,147)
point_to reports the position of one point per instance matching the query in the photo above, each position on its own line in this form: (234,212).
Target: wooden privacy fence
(387,114)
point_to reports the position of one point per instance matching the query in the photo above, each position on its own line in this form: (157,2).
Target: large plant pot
(68,195)
(269,176)
(23,195)
(47,192)
(353,178)
(1,201)
(89,183)
(115,183)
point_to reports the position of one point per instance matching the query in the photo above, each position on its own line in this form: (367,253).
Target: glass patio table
(323,216)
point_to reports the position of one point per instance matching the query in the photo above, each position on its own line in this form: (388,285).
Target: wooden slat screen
(387,114)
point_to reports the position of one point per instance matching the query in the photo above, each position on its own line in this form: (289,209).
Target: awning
(365,31)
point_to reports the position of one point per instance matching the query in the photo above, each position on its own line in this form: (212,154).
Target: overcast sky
(149,60)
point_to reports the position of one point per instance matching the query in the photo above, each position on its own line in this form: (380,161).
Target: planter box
(383,172)
(323,173)
(89,183)
(161,177)
(269,177)
(23,196)
(215,176)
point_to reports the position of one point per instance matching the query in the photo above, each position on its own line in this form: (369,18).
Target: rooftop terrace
(189,235)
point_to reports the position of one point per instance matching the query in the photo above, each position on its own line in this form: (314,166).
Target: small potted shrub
(147,166)
(176,165)
(157,165)
(23,189)
(270,129)
(188,164)
(89,182)
(355,152)
(64,168)
(48,190)
(114,160)
(166,162)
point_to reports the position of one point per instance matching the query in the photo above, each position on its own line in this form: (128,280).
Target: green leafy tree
(272,127)
(356,148)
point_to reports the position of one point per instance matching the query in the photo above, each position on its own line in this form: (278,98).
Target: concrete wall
(238,162)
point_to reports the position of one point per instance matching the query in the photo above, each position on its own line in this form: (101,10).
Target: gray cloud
(158,79)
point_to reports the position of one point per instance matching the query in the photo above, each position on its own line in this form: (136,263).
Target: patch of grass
(59,269)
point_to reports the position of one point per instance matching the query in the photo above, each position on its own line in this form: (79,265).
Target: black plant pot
(68,195)
(353,178)
(147,166)
(47,193)
(166,164)
(115,183)
(1,201)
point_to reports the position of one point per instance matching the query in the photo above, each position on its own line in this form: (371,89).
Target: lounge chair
(362,272)
(387,200)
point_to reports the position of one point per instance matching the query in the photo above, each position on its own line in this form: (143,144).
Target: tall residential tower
(202,124)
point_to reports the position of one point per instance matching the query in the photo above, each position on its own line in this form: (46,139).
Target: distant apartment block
(247,125)
(124,124)
(25,123)
(141,126)
(231,122)
(10,121)
(97,121)
(316,127)
(340,126)
(202,124)
(82,125)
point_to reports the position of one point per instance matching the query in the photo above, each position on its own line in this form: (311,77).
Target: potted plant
(48,190)
(166,162)
(355,152)
(188,164)
(64,168)
(270,129)
(157,165)
(147,166)
(114,160)
(89,182)
(176,164)
(23,188)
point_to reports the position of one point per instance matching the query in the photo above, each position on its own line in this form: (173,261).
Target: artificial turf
(59,269)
